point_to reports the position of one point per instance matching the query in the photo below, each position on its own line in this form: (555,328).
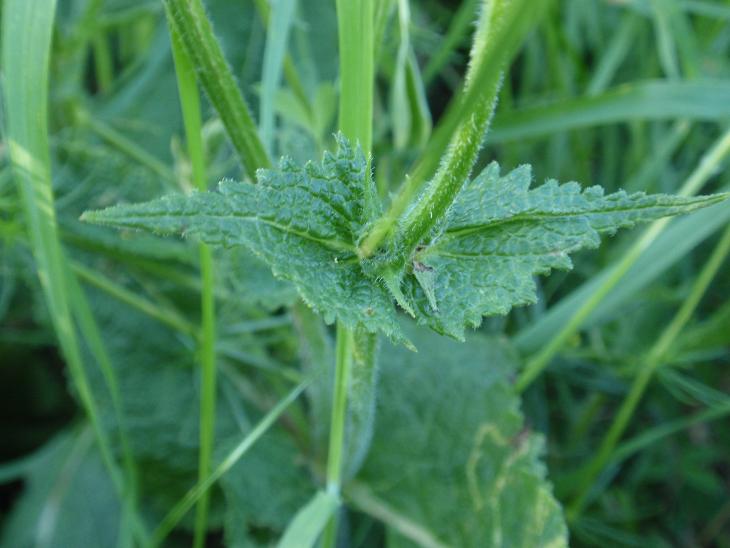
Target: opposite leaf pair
(306,222)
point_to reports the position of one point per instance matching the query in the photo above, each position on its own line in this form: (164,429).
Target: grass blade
(646,370)
(190,102)
(188,501)
(653,100)
(27,31)
(535,365)
(279,24)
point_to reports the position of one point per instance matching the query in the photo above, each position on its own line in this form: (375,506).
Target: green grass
(160,391)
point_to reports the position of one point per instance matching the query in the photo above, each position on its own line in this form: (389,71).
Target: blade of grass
(127,146)
(355,28)
(537,363)
(368,503)
(188,19)
(27,33)
(190,103)
(653,100)
(456,33)
(647,368)
(167,317)
(279,24)
(188,501)
(290,70)
(343,364)
(658,433)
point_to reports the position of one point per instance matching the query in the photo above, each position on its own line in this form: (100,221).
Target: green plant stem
(190,101)
(343,364)
(178,511)
(102,62)
(355,31)
(503,25)
(357,74)
(647,368)
(706,168)
(188,19)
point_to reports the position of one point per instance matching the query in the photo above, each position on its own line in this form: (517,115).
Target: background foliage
(626,94)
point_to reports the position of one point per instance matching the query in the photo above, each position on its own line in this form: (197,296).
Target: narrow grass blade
(279,24)
(310,521)
(458,29)
(576,319)
(170,318)
(27,31)
(366,502)
(646,369)
(654,100)
(188,501)
(190,102)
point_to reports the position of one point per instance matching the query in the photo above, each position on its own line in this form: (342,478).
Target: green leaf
(68,498)
(303,222)
(473,476)
(310,521)
(500,233)
(306,222)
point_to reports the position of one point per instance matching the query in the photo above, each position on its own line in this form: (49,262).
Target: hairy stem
(188,19)
(503,25)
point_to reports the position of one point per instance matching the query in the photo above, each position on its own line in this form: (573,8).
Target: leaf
(473,477)
(310,521)
(306,224)
(500,233)
(303,222)
(68,498)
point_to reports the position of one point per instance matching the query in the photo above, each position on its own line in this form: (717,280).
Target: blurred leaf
(473,475)
(68,498)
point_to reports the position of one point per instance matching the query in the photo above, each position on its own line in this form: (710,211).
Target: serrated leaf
(303,222)
(306,223)
(474,477)
(500,233)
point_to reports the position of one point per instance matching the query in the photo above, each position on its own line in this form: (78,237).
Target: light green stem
(355,31)
(646,371)
(190,101)
(692,185)
(338,420)
(188,19)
